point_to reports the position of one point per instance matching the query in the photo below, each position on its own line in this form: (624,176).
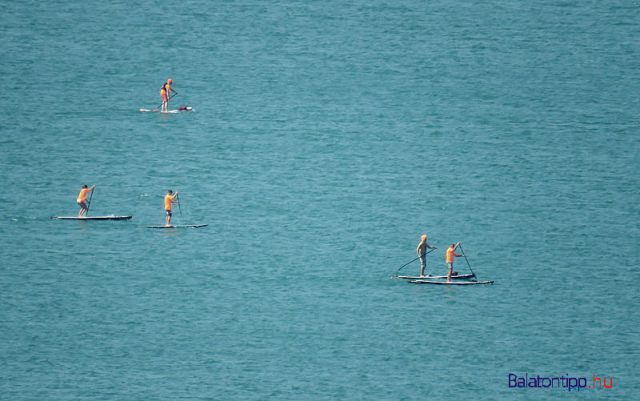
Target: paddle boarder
(421,250)
(450,256)
(82,200)
(165,94)
(168,203)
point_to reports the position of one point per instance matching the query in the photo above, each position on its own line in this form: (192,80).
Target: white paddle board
(180,226)
(112,217)
(166,112)
(450,283)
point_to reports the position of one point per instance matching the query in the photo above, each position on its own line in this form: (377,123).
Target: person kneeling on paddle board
(450,256)
(421,250)
(82,199)
(168,203)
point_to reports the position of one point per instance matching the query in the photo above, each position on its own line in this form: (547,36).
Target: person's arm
(92,188)
(456,247)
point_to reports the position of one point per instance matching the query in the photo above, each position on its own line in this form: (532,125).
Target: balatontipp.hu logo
(565,382)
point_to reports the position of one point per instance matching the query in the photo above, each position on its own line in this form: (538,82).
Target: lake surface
(325,138)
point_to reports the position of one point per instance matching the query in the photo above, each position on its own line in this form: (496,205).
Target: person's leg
(423,264)
(449,272)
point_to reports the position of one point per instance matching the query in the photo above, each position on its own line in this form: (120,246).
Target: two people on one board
(165,94)
(450,255)
(82,200)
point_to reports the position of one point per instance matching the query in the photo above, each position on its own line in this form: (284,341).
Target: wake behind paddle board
(112,217)
(181,226)
(450,283)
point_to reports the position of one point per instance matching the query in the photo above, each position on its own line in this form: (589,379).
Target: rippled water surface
(325,138)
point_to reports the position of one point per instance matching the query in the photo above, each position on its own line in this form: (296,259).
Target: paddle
(90,197)
(465,258)
(413,260)
(179,207)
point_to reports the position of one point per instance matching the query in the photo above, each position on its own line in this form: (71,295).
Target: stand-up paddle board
(181,226)
(458,276)
(112,217)
(180,110)
(450,283)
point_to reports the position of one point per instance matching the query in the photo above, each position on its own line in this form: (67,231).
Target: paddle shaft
(179,207)
(413,260)
(465,258)
(90,197)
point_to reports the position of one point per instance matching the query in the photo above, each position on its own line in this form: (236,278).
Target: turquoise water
(326,137)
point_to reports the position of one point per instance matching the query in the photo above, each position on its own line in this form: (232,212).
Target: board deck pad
(180,226)
(111,217)
(450,283)
(459,276)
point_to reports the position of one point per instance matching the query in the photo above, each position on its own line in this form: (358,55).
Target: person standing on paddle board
(164,94)
(168,203)
(421,250)
(450,256)
(82,199)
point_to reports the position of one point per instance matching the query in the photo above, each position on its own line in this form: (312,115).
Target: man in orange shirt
(168,203)
(450,256)
(421,250)
(82,200)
